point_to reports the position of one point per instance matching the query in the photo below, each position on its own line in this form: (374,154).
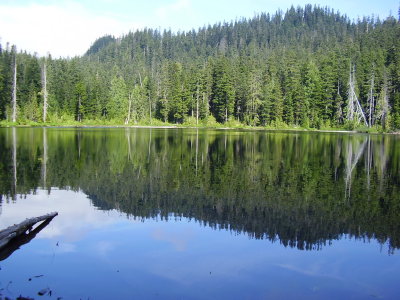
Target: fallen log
(16,230)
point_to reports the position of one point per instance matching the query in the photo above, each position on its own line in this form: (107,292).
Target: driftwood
(15,236)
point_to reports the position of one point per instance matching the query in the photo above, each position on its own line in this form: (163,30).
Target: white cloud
(104,247)
(171,9)
(76,217)
(178,239)
(67,29)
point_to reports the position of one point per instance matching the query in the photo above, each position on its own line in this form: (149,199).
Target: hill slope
(294,68)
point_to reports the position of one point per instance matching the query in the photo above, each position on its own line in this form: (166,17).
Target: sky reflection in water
(194,214)
(105,255)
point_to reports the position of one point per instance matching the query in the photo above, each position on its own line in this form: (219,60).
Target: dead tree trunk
(150,108)
(354,109)
(14,91)
(371,102)
(197,104)
(79,109)
(128,118)
(382,104)
(14,231)
(20,240)
(44,91)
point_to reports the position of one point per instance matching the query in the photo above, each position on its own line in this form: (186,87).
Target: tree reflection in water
(301,189)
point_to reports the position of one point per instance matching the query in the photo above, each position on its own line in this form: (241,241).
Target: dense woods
(302,190)
(309,67)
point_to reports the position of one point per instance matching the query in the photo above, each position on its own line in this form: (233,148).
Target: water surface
(194,214)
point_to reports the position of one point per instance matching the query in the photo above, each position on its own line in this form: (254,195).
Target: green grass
(209,122)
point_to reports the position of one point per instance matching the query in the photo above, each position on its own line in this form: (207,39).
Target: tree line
(309,67)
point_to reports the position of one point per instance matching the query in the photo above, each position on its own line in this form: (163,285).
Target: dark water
(194,214)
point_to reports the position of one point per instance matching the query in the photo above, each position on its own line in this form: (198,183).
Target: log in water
(16,230)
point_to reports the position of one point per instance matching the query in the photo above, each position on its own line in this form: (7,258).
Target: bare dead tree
(382,104)
(197,104)
(354,109)
(371,102)
(128,118)
(9,234)
(14,90)
(45,94)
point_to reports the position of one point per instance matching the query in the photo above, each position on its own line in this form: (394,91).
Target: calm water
(194,214)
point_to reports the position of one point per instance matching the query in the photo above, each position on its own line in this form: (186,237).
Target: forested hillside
(309,67)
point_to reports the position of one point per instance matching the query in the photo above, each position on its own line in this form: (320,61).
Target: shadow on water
(301,189)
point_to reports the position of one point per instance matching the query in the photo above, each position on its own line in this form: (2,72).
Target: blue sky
(68,28)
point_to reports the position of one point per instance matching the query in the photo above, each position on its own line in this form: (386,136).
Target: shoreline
(203,127)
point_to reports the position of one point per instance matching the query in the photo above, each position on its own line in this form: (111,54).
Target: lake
(199,214)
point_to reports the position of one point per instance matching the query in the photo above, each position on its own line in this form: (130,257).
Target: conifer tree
(223,93)
(228,70)
(117,107)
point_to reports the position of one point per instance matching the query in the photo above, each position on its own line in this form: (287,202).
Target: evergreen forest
(308,67)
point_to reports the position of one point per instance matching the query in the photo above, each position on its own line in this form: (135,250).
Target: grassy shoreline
(159,124)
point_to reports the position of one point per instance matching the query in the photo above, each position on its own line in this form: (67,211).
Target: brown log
(16,230)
